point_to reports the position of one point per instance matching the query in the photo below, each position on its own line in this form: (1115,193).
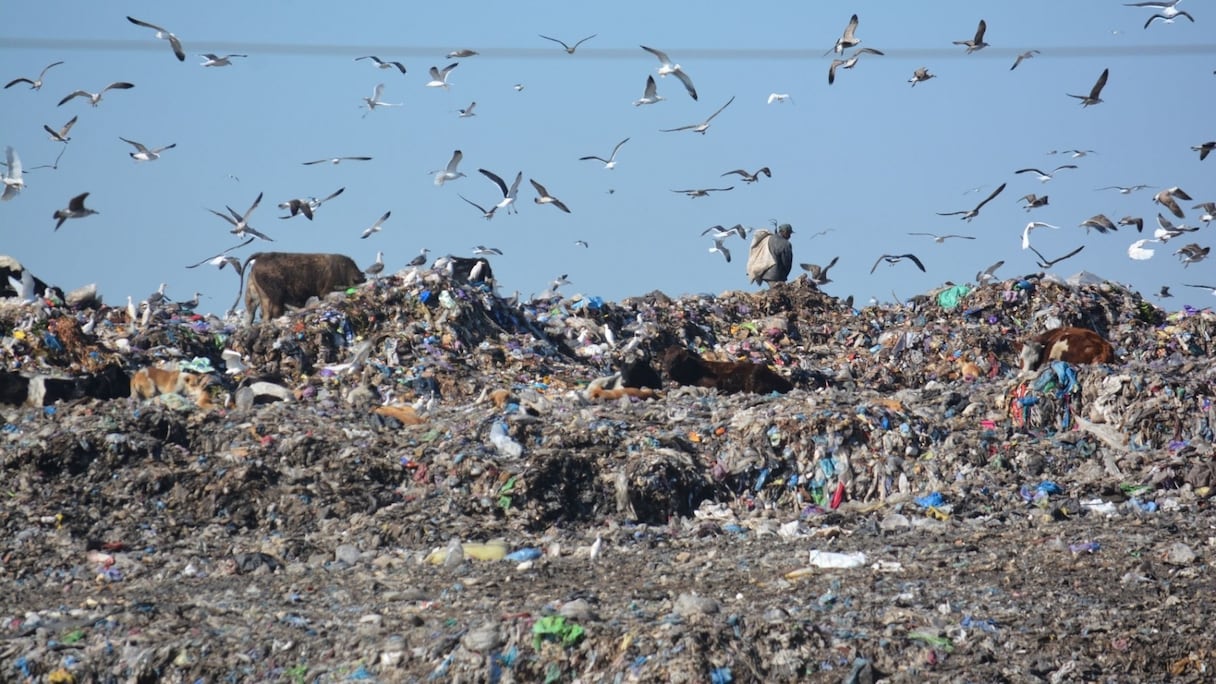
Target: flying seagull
(848,39)
(508,194)
(216,259)
(163,35)
(1123,190)
(94,98)
(721,249)
(921,74)
(779,97)
(650,95)
(1045,176)
(819,275)
(703,192)
(36,83)
(1044,262)
(240,222)
(1192,254)
(939,239)
(486,214)
(1139,252)
(439,79)
(1095,93)
(449,173)
(543,197)
(1025,55)
(142,153)
(14,182)
(375,101)
(704,125)
(1204,149)
(1166,199)
(60,135)
(334,160)
(1164,292)
(1099,222)
(610,162)
(461,53)
(751,177)
(1031,227)
(214,60)
(848,63)
(1211,288)
(976,43)
(482,250)
(1075,153)
(76,209)
(968,215)
(723,233)
(306,206)
(1167,231)
(1209,211)
(1168,15)
(894,258)
(468,111)
(667,67)
(1133,221)
(989,274)
(1033,201)
(569,49)
(381,64)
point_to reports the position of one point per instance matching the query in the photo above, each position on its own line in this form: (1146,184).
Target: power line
(300,49)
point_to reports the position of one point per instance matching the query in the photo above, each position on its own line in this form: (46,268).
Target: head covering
(784,230)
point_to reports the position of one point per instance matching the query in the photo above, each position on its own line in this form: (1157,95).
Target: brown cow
(686,368)
(280,279)
(1072,345)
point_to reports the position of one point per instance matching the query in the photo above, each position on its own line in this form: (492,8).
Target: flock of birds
(505,194)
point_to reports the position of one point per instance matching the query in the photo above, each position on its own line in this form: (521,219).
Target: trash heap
(415,479)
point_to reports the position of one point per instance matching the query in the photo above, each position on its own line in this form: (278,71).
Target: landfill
(419,480)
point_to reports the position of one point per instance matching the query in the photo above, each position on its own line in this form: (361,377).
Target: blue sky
(868,159)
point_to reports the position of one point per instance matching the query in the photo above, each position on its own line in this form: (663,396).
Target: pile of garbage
(417,478)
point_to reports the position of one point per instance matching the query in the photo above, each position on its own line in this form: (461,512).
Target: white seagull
(1030,227)
(667,67)
(704,125)
(450,173)
(849,63)
(420,259)
(779,97)
(461,53)
(35,83)
(214,60)
(375,227)
(610,162)
(13,180)
(481,250)
(334,160)
(375,101)
(847,39)
(376,268)
(76,209)
(650,95)
(142,153)
(939,239)
(1045,176)
(1139,252)
(240,222)
(721,249)
(94,98)
(163,35)
(381,64)
(439,79)
(508,194)
(306,206)
(721,233)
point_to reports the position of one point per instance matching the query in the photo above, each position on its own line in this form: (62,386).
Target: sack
(759,258)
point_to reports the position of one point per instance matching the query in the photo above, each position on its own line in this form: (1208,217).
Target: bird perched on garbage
(771,255)
(376,268)
(420,259)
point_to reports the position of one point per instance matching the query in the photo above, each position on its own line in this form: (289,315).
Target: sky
(855,165)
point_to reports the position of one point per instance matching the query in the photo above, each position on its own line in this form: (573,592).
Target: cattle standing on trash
(280,279)
(1071,345)
(730,377)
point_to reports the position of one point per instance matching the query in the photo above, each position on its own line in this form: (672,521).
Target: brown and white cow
(729,377)
(280,279)
(1072,345)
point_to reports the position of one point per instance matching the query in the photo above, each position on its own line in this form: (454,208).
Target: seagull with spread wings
(967,215)
(95,98)
(1022,57)
(1030,227)
(1166,198)
(35,83)
(217,259)
(381,64)
(610,162)
(650,95)
(334,160)
(76,209)
(1044,176)
(240,222)
(1095,93)
(60,135)
(939,239)
(142,153)
(214,60)
(819,274)
(449,173)
(751,177)
(850,62)
(1044,262)
(543,197)
(667,67)
(895,258)
(702,192)
(700,127)
(163,35)
(848,39)
(569,48)
(306,206)
(977,42)
(439,77)
(508,193)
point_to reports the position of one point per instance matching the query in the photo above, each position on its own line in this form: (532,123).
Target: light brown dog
(151,381)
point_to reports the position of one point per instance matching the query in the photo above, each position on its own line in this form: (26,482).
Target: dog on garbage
(1071,345)
(151,381)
